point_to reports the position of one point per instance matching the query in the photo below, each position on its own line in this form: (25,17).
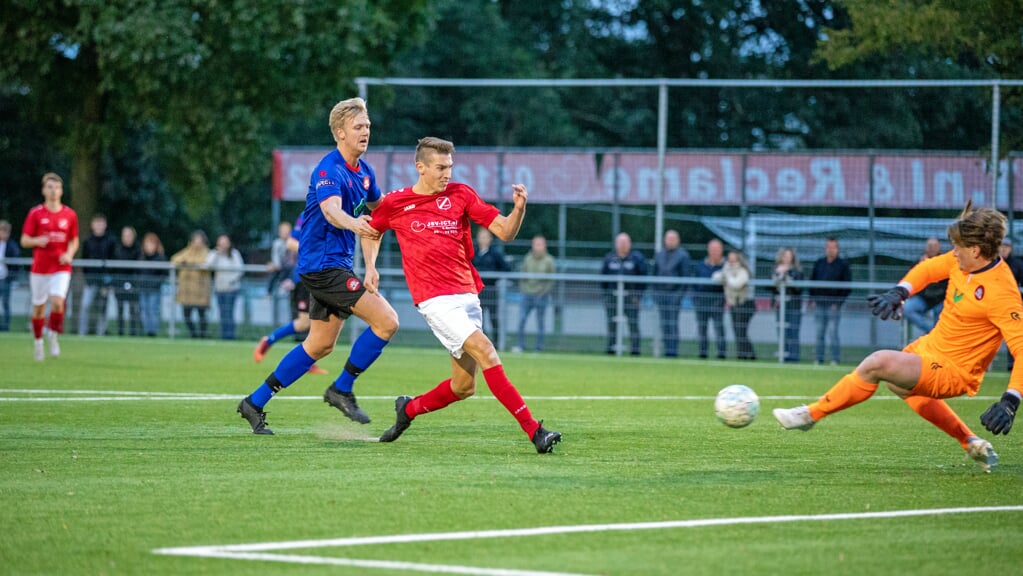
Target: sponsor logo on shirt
(1014,316)
(444,203)
(979,293)
(325,182)
(437,226)
(957,295)
(418,226)
(409,207)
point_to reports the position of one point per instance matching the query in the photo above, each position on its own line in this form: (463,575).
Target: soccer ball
(736,405)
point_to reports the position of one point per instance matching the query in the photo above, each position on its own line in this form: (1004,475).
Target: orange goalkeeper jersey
(981,310)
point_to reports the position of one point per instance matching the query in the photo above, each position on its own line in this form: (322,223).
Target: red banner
(920,180)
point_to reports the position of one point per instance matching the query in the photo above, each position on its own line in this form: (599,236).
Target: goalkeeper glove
(998,418)
(888,304)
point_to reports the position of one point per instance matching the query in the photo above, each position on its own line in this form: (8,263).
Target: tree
(206,78)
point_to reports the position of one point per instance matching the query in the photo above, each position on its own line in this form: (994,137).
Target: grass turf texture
(94,486)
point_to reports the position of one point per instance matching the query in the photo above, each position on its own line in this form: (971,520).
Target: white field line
(256,551)
(30,395)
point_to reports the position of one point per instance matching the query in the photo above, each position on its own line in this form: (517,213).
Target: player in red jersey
(431,220)
(51,231)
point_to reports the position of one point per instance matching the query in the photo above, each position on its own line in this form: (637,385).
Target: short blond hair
(52,176)
(433,145)
(344,111)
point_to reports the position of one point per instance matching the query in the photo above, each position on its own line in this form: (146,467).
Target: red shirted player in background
(51,231)
(432,223)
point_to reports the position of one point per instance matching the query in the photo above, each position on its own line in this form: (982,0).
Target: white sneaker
(797,418)
(983,453)
(54,345)
(39,355)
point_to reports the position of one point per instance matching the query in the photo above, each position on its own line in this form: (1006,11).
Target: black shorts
(299,299)
(332,292)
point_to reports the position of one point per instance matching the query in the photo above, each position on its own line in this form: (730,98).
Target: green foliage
(94,485)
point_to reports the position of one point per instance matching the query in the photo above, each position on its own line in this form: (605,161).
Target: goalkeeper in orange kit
(982,307)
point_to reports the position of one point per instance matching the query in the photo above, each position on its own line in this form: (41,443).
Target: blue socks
(367,348)
(282,332)
(291,368)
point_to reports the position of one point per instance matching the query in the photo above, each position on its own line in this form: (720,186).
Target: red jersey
(435,237)
(61,227)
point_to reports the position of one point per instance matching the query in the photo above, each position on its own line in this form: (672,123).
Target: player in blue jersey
(341,186)
(299,307)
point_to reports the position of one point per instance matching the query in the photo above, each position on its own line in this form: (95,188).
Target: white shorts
(46,285)
(453,319)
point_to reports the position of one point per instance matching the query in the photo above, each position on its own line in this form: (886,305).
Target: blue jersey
(321,244)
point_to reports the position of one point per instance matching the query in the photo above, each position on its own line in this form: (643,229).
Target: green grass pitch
(121,448)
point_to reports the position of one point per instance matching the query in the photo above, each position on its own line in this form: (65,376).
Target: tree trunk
(86,160)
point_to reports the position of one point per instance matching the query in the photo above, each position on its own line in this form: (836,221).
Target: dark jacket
(491,260)
(835,271)
(125,278)
(150,279)
(634,264)
(671,264)
(98,248)
(709,293)
(12,251)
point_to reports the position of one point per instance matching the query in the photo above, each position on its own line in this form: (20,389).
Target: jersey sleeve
(373,194)
(928,271)
(74,227)
(479,211)
(1006,312)
(327,184)
(30,227)
(380,219)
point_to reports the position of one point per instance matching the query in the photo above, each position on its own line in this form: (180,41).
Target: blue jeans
(668,308)
(150,302)
(710,311)
(532,302)
(827,316)
(793,318)
(5,304)
(917,313)
(225,301)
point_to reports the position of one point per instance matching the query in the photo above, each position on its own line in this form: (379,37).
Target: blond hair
(434,146)
(344,111)
(982,227)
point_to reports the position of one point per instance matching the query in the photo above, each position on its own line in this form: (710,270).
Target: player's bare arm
(72,248)
(370,250)
(337,217)
(34,241)
(507,227)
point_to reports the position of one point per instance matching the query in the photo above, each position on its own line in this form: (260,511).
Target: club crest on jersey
(418,226)
(444,203)
(979,293)
(365,182)
(353,284)
(62,223)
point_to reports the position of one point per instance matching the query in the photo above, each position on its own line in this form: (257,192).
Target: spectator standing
(8,249)
(125,286)
(709,300)
(786,270)
(536,292)
(623,261)
(736,276)
(92,313)
(282,260)
(827,302)
(671,262)
(924,308)
(489,258)
(150,283)
(1016,266)
(194,282)
(226,263)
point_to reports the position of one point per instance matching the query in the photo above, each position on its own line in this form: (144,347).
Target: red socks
(433,400)
(37,327)
(57,322)
(508,396)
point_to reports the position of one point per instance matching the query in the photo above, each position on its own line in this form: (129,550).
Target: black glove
(998,418)
(888,304)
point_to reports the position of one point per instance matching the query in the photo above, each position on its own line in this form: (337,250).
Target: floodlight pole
(996,98)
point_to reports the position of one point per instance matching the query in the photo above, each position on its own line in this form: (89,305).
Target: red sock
(57,322)
(938,413)
(432,401)
(37,327)
(507,395)
(848,391)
